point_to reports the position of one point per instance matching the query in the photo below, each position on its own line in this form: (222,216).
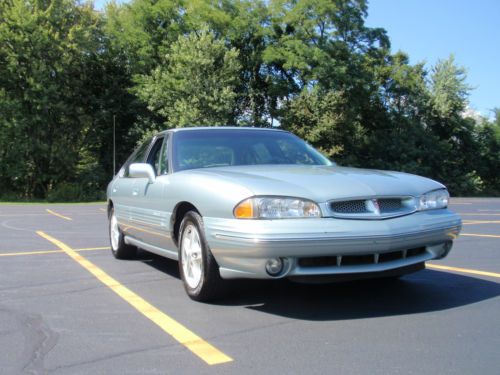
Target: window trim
(150,150)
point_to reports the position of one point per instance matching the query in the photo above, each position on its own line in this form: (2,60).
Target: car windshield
(227,147)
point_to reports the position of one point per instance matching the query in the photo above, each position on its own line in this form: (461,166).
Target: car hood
(321,183)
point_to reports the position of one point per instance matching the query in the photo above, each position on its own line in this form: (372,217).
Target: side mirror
(142,170)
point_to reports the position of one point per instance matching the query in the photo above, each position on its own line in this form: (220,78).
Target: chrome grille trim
(372,207)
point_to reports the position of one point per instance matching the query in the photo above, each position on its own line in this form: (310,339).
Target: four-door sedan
(233,203)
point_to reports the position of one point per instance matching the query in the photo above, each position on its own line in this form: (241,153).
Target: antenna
(114,145)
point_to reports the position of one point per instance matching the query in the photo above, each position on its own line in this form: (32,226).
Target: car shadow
(421,292)
(165,265)
(424,291)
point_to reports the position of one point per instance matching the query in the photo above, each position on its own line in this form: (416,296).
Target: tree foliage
(309,66)
(195,84)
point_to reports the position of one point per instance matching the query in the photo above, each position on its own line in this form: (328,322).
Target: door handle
(135,192)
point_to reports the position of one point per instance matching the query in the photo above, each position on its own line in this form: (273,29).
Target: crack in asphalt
(46,284)
(111,356)
(39,339)
(250,330)
(16,290)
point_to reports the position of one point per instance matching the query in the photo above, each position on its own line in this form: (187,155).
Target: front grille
(350,207)
(373,208)
(390,204)
(360,259)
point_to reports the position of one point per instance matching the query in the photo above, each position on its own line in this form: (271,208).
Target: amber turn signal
(244,210)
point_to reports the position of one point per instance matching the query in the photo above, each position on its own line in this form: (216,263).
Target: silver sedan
(233,203)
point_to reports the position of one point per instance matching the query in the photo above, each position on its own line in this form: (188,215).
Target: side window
(164,157)
(154,157)
(136,157)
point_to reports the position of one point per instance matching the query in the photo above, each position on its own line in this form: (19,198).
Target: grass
(36,202)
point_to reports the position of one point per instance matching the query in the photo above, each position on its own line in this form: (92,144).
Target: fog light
(446,247)
(274,266)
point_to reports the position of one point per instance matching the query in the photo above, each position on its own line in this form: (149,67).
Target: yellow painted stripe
(58,215)
(30,253)
(471,214)
(470,222)
(463,270)
(93,248)
(480,235)
(37,252)
(190,340)
(102,209)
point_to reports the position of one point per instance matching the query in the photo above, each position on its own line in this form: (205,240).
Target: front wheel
(197,266)
(119,248)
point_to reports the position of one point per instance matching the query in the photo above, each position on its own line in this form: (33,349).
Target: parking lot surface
(68,307)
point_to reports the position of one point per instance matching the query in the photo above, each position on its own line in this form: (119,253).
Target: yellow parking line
(472,214)
(190,340)
(102,209)
(58,215)
(30,253)
(470,222)
(480,235)
(93,248)
(36,252)
(463,270)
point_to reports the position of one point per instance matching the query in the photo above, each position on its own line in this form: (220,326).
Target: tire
(197,266)
(119,248)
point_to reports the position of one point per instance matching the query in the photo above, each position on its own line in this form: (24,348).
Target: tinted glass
(136,157)
(154,158)
(227,147)
(164,157)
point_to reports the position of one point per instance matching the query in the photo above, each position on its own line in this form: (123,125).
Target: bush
(9,196)
(73,192)
(65,192)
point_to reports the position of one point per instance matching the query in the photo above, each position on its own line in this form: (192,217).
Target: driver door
(151,216)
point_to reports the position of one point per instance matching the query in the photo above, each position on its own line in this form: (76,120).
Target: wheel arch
(177,215)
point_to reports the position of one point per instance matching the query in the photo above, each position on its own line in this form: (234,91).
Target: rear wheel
(198,268)
(119,248)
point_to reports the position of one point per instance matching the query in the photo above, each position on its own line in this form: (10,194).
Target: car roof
(216,128)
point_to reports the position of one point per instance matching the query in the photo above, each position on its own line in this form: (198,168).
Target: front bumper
(242,247)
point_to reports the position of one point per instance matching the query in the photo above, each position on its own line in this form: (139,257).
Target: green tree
(487,161)
(456,141)
(45,67)
(143,31)
(449,89)
(196,83)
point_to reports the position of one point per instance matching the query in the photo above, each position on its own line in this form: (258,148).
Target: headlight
(276,208)
(434,199)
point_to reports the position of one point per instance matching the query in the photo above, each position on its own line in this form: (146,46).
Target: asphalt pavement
(68,307)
